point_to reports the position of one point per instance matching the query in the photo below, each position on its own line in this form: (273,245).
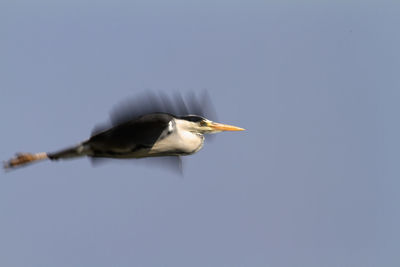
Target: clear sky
(314,181)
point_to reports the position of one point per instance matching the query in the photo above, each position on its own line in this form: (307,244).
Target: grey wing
(152,102)
(127,138)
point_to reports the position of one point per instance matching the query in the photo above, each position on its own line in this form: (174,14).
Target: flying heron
(149,126)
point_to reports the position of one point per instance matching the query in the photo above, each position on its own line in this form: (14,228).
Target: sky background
(314,181)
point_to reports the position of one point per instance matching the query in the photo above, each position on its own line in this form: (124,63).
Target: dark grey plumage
(130,136)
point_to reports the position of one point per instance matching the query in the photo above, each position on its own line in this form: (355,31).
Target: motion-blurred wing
(173,164)
(151,102)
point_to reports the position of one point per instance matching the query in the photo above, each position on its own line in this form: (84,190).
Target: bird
(146,126)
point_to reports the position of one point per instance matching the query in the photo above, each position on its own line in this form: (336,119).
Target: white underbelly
(180,143)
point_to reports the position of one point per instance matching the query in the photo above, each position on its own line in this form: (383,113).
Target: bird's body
(149,135)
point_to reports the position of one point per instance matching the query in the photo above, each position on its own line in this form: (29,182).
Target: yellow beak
(224,127)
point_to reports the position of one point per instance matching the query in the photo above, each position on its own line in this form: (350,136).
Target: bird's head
(202,125)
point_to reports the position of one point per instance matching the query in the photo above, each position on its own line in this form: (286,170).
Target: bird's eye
(203,123)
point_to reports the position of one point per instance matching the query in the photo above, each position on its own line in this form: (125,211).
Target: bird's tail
(23,159)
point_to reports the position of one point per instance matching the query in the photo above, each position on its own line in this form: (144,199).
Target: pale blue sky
(314,181)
